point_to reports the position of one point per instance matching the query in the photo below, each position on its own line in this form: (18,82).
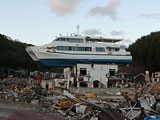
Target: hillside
(146,51)
(13,54)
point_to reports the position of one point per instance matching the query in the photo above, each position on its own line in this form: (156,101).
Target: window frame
(100,49)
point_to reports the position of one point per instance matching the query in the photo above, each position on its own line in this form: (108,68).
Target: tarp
(147,118)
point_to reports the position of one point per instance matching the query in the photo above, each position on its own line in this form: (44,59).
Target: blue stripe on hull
(72,62)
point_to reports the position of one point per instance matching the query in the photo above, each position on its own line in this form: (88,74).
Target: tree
(146,51)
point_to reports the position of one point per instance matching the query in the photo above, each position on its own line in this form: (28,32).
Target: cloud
(126,42)
(92,32)
(64,7)
(150,15)
(117,33)
(109,10)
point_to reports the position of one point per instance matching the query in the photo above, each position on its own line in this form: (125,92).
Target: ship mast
(78,27)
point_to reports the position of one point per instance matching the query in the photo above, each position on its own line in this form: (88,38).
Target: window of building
(61,84)
(116,49)
(112,72)
(100,49)
(83,71)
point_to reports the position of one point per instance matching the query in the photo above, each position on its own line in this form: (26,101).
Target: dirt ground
(8,112)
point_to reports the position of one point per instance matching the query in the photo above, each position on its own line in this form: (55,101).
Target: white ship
(70,50)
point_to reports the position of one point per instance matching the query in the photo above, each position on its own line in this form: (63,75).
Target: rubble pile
(20,89)
(83,106)
(29,91)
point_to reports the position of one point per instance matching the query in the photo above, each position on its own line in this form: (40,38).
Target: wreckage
(143,104)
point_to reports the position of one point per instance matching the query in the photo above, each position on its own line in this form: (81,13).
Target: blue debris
(147,118)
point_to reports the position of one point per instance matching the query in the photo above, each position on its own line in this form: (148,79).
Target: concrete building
(156,76)
(94,75)
(65,80)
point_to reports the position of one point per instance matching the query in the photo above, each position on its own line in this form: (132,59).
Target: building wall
(97,71)
(156,76)
(48,83)
(67,72)
(61,83)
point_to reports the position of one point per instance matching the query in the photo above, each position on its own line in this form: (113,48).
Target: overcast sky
(39,21)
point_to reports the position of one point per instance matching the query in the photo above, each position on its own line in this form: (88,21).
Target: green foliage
(146,51)
(13,54)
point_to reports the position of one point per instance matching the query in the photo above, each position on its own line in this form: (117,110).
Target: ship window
(71,40)
(59,47)
(80,40)
(57,39)
(67,39)
(100,49)
(74,40)
(81,49)
(73,48)
(88,49)
(70,48)
(63,39)
(109,48)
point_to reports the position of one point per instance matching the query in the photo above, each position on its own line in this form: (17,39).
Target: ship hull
(71,59)
(72,62)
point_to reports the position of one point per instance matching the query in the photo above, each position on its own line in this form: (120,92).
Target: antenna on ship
(78,27)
